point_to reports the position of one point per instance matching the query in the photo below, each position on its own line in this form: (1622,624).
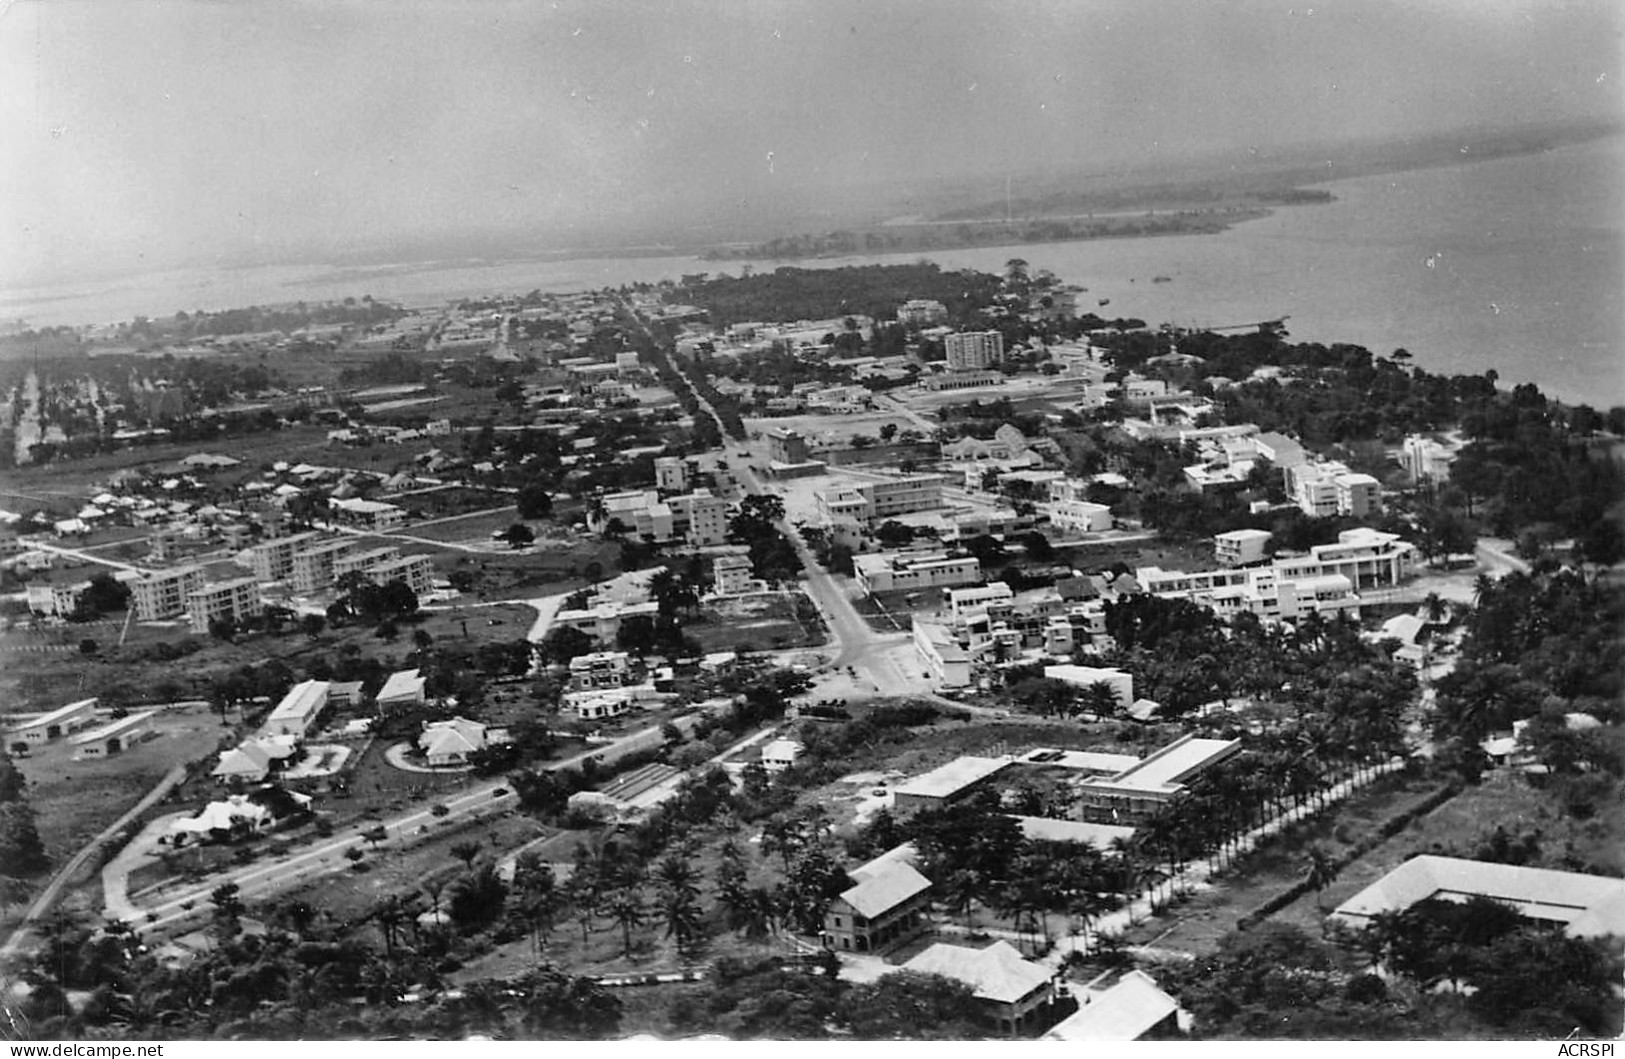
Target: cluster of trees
(361,600)
(21,851)
(772,557)
(815,294)
(1538,647)
(1520,975)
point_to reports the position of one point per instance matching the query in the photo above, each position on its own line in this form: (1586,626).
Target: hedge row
(1390,827)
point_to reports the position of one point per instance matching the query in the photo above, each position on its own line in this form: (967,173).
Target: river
(1515,263)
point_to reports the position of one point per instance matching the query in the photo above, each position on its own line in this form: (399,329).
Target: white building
(733,576)
(298,710)
(451,743)
(64,720)
(780,754)
(671,474)
(162,593)
(603,621)
(600,669)
(1324,489)
(1425,460)
(1242,547)
(868,501)
(945,660)
(404,687)
(223,601)
(913,571)
(974,350)
(1078,516)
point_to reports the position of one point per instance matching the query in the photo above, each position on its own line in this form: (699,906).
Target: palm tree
(626,907)
(1100,699)
(1322,873)
(466,852)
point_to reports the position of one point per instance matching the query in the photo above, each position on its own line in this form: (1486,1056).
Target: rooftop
(1586,905)
(997,973)
(953,777)
(885,889)
(1125,1012)
(301,701)
(1167,769)
(1047,829)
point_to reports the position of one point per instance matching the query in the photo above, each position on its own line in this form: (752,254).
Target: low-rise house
(600,669)
(452,742)
(255,759)
(403,688)
(1133,1008)
(780,754)
(1012,993)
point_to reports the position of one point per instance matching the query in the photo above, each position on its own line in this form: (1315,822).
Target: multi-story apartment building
(359,562)
(1242,547)
(231,600)
(1425,460)
(272,560)
(416,570)
(866,501)
(162,593)
(893,572)
(671,474)
(921,312)
(1324,489)
(974,350)
(313,567)
(698,517)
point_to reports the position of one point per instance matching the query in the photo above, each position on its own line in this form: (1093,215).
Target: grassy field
(1456,827)
(768,621)
(1197,924)
(75,800)
(604,949)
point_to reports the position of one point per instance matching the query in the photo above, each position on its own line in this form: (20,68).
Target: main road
(328,856)
(856,644)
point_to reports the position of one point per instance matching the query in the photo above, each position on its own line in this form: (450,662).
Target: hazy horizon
(144,137)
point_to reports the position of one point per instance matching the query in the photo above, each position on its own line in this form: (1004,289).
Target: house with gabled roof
(887,906)
(1134,1007)
(1012,993)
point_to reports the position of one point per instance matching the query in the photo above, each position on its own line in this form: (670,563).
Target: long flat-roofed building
(866,501)
(298,710)
(947,784)
(913,571)
(1585,906)
(115,737)
(1137,793)
(59,722)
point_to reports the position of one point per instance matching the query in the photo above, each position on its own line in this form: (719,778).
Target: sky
(138,135)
